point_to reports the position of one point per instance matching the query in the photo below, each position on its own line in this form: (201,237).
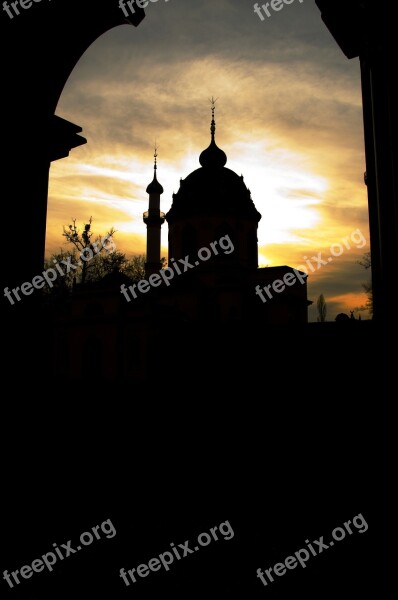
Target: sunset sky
(289,117)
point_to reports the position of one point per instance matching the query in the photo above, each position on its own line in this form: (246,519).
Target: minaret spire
(155,156)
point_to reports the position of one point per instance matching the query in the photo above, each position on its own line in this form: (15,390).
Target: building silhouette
(212,278)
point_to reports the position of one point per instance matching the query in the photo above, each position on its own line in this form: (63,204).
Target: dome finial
(213,122)
(213,157)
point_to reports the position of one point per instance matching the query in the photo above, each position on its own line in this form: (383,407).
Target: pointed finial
(213,105)
(155,155)
(213,123)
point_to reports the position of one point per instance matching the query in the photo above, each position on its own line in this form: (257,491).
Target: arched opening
(125,104)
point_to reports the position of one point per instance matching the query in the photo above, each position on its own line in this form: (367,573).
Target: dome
(213,156)
(155,187)
(213,189)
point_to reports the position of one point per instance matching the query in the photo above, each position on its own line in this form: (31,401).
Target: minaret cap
(154,187)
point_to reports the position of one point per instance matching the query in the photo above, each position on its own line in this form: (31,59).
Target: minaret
(154,219)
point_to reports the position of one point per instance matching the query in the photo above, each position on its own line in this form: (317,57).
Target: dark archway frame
(41,48)
(368,32)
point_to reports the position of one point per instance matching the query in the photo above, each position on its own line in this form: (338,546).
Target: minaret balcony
(154,217)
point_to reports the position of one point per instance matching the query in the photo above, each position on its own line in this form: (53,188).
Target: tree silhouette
(88,250)
(90,261)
